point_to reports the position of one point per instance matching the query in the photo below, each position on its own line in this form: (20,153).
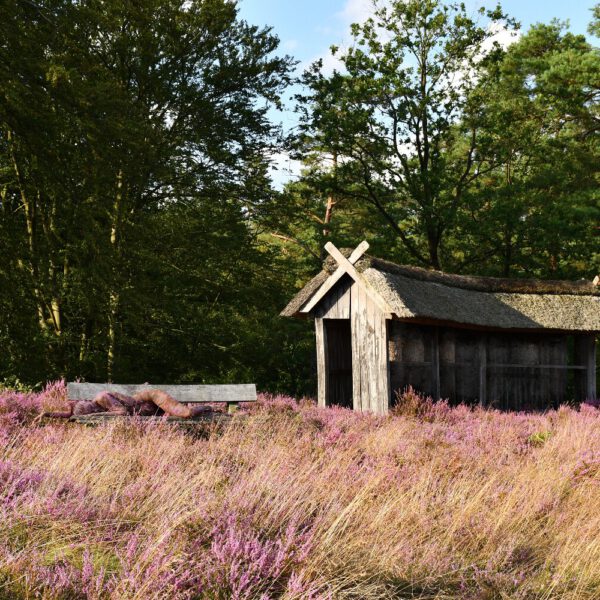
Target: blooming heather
(297,502)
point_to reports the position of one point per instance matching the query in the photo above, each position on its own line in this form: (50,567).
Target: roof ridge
(479,283)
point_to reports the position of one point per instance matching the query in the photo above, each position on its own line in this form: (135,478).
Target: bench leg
(232,407)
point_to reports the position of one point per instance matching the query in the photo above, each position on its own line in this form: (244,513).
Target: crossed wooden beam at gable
(346,267)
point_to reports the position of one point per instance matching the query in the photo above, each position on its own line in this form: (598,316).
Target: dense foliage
(455,152)
(134,146)
(297,502)
(141,237)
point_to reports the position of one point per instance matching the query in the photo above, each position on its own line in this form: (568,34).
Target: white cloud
(501,35)
(283,169)
(331,63)
(357,11)
(354,11)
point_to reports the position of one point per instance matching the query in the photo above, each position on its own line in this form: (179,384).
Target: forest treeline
(141,236)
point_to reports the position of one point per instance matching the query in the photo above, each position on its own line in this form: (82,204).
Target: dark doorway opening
(339,362)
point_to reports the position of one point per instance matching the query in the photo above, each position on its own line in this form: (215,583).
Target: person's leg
(76,407)
(66,414)
(169,405)
(86,407)
(111,402)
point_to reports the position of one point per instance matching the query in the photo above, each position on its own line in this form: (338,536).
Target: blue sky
(307,28)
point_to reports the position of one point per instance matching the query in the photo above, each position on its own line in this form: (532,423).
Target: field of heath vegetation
(296,502)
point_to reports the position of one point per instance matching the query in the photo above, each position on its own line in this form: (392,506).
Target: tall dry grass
(297,502)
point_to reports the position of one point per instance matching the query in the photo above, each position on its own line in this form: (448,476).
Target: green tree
(112,114)
(399,118)
(537,213)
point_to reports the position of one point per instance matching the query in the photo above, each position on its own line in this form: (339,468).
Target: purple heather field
(295,501)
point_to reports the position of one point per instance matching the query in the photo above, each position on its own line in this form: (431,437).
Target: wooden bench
(232,395)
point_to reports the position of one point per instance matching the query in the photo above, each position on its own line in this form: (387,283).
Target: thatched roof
(418,294)
(304,295)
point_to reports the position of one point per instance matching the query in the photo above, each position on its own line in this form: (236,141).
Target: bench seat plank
(230,393)
(98,418)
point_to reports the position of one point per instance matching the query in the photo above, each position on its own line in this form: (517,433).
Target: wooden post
(386,366)
(482,370)
(585,356)
(357,356)
(321,342)
(435,364)
(591,368)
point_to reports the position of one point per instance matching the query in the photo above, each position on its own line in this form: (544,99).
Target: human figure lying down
(145,403)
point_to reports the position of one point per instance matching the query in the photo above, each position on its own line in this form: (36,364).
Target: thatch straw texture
(414,293)
(415,299)
(304,295)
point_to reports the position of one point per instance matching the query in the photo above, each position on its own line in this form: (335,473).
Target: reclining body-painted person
(145,403)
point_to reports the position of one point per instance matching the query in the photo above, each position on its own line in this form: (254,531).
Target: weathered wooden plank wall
(585,355)
(411,351)
(506,370)
(502,369)
(467,369)
(527,371)
(336,305)
(370,375)
(351,338)
(447,361)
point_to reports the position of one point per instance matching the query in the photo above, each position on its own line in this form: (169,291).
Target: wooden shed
(508,343)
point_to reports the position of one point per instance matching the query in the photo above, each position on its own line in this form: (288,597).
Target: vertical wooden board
(482,359)
(364,354)
(546,381)
(591,368)
(321,342)
(394,341)
(413,348)
(414,355)
(396,370)
(560,357)
(524,391)
(435,363)
(336,304)
(372,357)
(384,365)
(553,351)
(447,354)
(344,312)
(535,400)
(467,373)
(356,354)
(585,356)
(386,324)
(380,365)
(323,308)
(372,350)
(498,354)
(380,358)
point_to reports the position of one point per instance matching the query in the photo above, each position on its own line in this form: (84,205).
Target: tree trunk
(331,202)
(31,269)
(433,244)
(114,295)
